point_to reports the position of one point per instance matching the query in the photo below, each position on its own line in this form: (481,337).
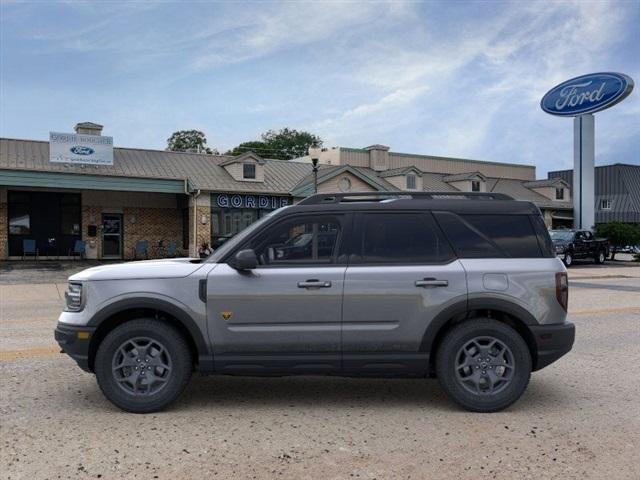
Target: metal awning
(29,178)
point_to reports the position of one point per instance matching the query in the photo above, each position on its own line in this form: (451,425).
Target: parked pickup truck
(572,245)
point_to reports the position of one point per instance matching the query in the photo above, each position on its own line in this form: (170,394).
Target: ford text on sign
(85,149)
(587,94)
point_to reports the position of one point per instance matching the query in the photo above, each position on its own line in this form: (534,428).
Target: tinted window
(467,240)
(302,240)
(513,234)
(401,238)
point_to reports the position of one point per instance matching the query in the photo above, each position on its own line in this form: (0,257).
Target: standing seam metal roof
(203,171)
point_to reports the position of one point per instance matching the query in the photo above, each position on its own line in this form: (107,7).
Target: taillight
(562,290)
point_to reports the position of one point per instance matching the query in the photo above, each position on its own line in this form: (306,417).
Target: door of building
(111,235)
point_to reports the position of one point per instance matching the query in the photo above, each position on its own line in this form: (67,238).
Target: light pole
(314,153)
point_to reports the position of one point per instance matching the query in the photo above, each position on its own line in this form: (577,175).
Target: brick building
(186,199)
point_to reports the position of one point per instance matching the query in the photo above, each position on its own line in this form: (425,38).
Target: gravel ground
(580,417)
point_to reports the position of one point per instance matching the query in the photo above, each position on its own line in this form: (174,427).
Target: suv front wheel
(483,365)
(143,365)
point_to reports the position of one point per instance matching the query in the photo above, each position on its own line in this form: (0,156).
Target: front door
(285,314)
(111,235)
(401,274)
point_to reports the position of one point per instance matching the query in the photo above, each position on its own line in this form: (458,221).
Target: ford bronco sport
(465,287)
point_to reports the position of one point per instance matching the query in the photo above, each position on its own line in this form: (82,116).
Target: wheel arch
(122,311)
(498,309)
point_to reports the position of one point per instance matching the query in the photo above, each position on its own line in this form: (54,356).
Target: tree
(257,147)
(619,234)
(188,141)
(284,144)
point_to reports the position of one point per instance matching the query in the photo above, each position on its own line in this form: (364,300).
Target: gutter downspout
(195,196)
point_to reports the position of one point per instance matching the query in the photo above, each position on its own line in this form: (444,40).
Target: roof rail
(324,198)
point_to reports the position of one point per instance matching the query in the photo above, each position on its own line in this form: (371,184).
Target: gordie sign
(587,94)
(270,202)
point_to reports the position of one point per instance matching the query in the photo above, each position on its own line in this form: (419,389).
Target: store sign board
(267,202)
(80,149)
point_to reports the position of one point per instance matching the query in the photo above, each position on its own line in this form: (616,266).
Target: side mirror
(245,260)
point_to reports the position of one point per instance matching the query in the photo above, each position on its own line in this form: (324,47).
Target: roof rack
(323,198)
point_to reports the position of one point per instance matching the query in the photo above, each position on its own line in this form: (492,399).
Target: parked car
(462,287)
(573,245)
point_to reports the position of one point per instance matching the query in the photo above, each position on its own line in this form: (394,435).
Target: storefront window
(232,213)
(52,219)
(19,218)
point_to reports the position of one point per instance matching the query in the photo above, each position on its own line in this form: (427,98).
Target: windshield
(561,235)
(230,244)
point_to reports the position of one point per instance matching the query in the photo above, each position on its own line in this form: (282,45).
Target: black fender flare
(462,309)
(205,357)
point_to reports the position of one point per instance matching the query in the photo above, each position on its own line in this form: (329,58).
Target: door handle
(431,282)
(313,283)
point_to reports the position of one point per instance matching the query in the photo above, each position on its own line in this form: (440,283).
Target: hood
(165,268)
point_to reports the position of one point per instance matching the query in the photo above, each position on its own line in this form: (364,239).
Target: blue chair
(79,248)
(141,248)
(172,249)
(29,248)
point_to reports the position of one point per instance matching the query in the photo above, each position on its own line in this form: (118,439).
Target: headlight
(559,248)
(73,297)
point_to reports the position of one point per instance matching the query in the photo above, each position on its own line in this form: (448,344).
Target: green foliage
(257,147)
(619,234)
(188,141)
(284,144)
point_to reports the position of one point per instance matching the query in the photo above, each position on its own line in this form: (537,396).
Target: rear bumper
(552,342)
(74,341)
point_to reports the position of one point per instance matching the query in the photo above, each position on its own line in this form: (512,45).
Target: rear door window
(397,238)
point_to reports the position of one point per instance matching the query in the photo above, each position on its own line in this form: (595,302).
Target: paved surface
(580,418)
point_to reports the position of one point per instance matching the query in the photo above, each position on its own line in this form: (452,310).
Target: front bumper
(75,341)
(560,256)
(552,341)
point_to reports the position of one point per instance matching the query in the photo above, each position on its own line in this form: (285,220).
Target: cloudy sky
(461,79)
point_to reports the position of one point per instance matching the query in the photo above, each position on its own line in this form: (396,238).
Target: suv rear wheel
(143,365)
(600,257)
(483,365)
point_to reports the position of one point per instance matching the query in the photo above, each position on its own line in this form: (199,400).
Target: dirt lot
(580,418)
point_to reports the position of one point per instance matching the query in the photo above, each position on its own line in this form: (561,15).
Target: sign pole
(579,98)
(583,171)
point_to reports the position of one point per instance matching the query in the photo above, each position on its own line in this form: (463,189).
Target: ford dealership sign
(80,149)
(587,94)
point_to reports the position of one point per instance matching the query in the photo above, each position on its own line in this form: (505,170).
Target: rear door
(285,315)
(402,273)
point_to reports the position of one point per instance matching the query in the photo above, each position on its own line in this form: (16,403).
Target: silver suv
(464,287)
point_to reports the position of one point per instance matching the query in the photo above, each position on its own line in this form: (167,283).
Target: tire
(600,257)
(508,388)
(137,343)
(568,260)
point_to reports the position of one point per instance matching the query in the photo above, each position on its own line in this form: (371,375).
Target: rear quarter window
(491,236)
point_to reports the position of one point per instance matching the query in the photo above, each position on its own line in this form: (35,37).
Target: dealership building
(78,187)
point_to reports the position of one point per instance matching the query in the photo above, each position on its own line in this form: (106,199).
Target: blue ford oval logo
(587,94)
(79,150)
